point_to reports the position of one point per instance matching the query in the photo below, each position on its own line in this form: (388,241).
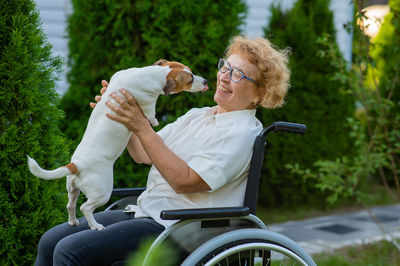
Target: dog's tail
(62,171)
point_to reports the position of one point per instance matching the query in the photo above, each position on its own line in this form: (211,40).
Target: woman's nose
(224,76)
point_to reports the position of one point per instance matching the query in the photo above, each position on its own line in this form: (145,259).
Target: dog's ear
(160,62)
(169,86)
(185,77)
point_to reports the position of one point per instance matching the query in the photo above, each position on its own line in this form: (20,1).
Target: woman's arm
(134,146)
(136,150)
(174,170)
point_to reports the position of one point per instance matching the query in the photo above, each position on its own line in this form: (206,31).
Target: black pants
(78,245)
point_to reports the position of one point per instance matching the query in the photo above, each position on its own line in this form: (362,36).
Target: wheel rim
(256,253)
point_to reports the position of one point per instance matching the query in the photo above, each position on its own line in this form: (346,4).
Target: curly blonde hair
(272,64)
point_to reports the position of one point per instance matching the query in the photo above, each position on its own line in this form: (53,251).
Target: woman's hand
(102,91)
(128,113)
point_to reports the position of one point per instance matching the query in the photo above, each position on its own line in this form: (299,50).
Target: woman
(199,161)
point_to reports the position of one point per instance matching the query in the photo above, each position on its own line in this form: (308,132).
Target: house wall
(54,15)
(54,18)
(259,15)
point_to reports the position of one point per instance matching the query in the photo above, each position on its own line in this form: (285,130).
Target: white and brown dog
(91,167)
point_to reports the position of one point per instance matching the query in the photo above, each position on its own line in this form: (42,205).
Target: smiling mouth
(223,89)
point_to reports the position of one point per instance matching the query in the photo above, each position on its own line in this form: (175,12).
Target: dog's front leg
(73,194)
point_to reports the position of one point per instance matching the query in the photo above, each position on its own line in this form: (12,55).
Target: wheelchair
(226,235)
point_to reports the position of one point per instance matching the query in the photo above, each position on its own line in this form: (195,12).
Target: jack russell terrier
(91,167)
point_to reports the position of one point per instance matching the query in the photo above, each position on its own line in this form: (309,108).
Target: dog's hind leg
(88,208)
(73,194)
(97,187)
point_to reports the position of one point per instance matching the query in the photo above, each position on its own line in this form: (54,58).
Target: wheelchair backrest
(257,159)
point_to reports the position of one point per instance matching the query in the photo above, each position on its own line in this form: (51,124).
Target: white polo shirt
(217,147)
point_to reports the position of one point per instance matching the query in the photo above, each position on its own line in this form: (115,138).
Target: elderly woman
(199,161)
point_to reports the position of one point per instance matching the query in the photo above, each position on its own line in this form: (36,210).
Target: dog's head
(180,78)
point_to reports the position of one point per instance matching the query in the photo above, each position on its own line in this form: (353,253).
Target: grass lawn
(376,254)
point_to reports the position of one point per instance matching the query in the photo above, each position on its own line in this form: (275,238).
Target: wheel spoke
(283,260)
(255,254)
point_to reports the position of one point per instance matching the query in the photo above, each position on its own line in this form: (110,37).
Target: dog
(91,166)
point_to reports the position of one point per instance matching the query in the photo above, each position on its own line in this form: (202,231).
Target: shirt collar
(229,117)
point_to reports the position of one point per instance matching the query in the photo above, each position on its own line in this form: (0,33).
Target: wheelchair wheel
(249,247)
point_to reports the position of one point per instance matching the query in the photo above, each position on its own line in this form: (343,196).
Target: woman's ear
(255,104)
(169,86)
(160,62)
(256,101)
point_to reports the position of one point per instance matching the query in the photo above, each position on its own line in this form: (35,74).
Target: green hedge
(28,125)
(314,99)
(106,36)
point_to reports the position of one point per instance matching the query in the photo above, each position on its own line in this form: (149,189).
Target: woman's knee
(50,238)
(46,246)
(66,252)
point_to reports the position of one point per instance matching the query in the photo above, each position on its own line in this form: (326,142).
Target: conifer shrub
(314,99)
(29,122)
(107,36)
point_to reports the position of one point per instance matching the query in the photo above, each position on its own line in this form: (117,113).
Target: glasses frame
(230,69)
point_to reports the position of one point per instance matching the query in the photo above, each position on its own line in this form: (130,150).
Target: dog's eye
(191,80)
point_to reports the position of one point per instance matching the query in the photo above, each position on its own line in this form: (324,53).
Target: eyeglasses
(235,74)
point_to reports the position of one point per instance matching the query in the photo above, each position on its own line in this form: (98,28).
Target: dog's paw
(73,222)
(153,121)
(98,227)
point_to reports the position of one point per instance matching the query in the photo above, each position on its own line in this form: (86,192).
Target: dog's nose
(205,85)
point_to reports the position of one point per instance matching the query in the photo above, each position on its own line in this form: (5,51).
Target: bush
(385,51)
(385,74)
(315,99)
(375,129)
(28,125)
(106,36)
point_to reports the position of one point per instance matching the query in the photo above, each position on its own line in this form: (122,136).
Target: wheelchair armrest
(122,192)
(201,213)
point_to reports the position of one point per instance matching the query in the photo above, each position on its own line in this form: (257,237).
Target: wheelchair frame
(223,232)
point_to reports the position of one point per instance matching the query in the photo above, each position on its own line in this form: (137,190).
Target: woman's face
(231,96)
